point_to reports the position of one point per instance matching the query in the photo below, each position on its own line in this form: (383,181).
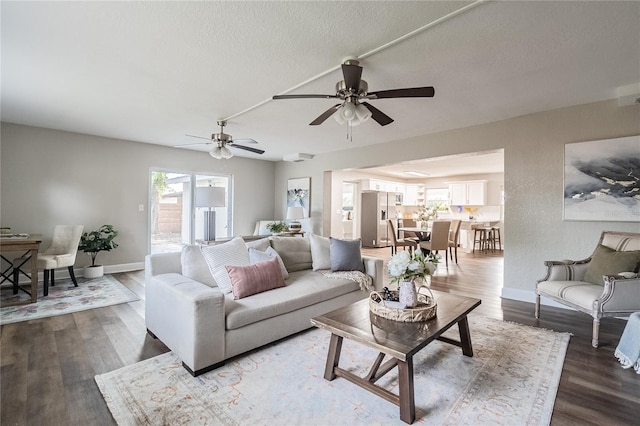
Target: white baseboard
(79,272)
(530,297)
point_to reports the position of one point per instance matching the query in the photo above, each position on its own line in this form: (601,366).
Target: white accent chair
(566,281)
(61,253)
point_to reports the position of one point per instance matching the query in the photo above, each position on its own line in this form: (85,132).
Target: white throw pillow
(257,256)
(320,252)
(262,244)
(232,253)
(194,266)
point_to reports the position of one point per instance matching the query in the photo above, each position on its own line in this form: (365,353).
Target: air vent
(296,158)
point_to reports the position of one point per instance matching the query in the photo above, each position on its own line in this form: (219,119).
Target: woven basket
(425,310)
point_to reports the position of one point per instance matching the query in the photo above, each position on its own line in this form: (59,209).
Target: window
(175,220)
(437,197)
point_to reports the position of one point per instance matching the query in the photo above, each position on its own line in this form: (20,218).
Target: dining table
(422,233)
(28,245)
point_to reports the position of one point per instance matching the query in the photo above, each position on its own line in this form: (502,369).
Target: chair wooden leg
(73,276)
(16,277)
(596,332)
(537,308)
(45,287)
(53,279)
(455,250)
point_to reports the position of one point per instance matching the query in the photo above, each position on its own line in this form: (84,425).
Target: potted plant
(277,227)
(93,243)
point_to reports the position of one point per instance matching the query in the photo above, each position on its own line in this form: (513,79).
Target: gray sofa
(204,326)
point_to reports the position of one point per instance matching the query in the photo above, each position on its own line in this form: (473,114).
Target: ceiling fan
(353,91)
(221,142)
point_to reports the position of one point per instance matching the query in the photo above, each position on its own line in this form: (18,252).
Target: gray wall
(50,177)
(534,161)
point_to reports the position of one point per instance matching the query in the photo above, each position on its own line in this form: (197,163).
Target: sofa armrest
(619,295)
(565,270)
(374,268)
(188,317)
(162,263)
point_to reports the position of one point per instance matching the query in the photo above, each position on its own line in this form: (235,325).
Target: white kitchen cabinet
(468,193)
(412,193)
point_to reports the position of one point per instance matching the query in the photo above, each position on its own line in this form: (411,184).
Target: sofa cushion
(295,252)
(194,266)
(320,252)
(579,293)
(231,253)
(346,255)
(256,278)
(257,256)
(607,261)
(304,288)
(262,244)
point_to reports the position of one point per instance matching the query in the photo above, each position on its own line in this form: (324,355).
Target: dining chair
(439,238)
(409,223)
(395,242)
(61,253)
(454,237)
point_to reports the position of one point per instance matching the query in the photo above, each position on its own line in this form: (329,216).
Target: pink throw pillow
(256,278)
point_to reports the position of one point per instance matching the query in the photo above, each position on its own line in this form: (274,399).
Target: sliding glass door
(187,207)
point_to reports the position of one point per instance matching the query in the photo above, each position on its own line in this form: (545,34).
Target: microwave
(399,198)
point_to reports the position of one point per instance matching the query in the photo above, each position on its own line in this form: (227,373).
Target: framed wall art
(602,180)
(299,193)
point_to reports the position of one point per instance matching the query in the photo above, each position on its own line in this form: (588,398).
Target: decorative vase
(407,294)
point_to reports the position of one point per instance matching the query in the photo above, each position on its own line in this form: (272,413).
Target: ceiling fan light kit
(221,153)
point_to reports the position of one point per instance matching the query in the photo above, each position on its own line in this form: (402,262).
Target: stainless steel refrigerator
(376,208)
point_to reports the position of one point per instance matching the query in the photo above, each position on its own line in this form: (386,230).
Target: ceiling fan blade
(276,97)
(382,118)
(414,92)
(247,148)
(328,113)
(199,137)
(192,144)
(247,140)
(352,75)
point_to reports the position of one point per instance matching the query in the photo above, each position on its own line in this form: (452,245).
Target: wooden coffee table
(399,340)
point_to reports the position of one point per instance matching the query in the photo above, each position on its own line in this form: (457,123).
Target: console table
(29,244)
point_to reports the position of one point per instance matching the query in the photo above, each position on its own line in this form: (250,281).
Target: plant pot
(91,272)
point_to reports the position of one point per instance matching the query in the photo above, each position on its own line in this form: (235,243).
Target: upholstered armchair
(595,285)
(60,254)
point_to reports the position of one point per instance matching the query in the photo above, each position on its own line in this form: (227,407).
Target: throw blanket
(628,350)
(364,281)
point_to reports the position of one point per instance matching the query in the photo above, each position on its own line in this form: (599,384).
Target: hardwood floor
(47,366)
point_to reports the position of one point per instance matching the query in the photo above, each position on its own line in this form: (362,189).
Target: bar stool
(481,237)
(494,237)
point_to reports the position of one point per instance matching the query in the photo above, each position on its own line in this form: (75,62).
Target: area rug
(511,379)
(64,298)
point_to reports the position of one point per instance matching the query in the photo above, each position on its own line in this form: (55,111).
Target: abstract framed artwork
(299,193)
(602,180)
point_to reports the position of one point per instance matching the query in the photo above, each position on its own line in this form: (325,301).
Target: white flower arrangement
(426,214)
(407,266)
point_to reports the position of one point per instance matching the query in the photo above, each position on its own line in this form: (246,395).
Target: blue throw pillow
(345,255)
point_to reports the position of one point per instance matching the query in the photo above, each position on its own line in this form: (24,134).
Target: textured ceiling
(154,71)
